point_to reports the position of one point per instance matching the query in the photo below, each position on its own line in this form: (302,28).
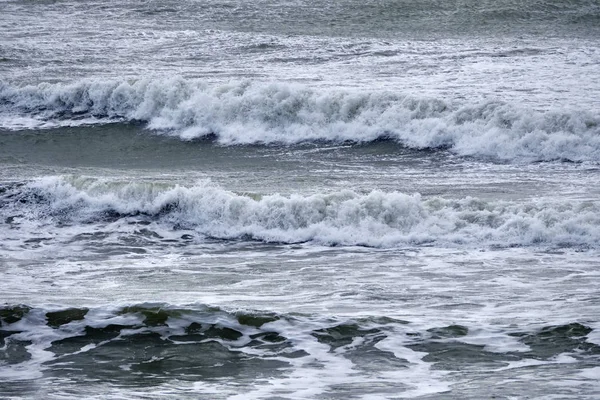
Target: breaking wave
(152,342)
(378,219)
(265,113)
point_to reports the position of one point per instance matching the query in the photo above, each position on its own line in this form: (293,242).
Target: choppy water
(300,200)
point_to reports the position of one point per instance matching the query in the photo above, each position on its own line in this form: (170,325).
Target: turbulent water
(300,200)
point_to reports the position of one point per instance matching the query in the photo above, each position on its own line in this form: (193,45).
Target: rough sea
(352,199)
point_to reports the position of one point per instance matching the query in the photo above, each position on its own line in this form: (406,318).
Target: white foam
(591,373)
(494,339)
(311,375)
(23,122)
(594,335)
(420,378)
(32,328)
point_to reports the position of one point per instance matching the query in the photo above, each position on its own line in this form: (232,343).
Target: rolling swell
(265,113)
(379,219)
(152,343)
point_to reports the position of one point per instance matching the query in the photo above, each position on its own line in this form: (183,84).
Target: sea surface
(353,199)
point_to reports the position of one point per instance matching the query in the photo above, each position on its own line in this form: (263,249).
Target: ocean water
(371,199)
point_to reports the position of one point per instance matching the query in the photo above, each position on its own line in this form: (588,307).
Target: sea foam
(263,113)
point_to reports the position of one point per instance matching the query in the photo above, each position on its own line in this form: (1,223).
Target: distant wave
(378,219)
(264,113)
